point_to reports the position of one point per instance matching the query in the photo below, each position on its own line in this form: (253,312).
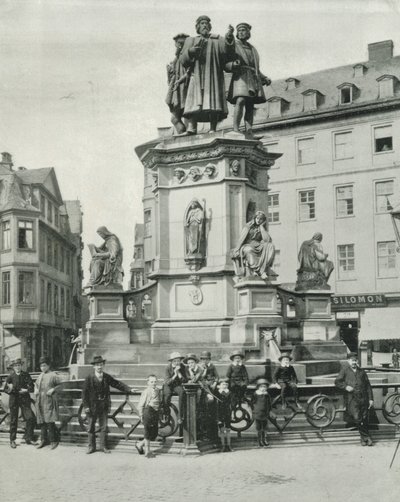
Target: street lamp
(395,214)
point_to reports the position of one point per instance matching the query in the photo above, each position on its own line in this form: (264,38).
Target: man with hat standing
(175,376)
(285,378)
(20,385)
(358,398)
(46,404)
(205,56)
(209,379)
(96,402)
(246,87)
(261,409)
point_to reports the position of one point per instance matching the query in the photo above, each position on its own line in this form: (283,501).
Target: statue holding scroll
(106,263)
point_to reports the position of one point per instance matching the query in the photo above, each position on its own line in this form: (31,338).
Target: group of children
(217,397)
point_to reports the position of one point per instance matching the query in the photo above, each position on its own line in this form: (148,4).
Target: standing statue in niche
(106,263)
(255,252)
(195,239)
(246,87)
(178,79)
(205,56)
(314,267)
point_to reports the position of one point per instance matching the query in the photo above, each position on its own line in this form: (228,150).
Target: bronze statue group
(217,398)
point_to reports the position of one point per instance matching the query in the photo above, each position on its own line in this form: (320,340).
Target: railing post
(189,423)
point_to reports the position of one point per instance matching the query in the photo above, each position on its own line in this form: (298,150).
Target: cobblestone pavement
(349,473)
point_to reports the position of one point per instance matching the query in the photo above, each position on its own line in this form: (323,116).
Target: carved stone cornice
(250,150)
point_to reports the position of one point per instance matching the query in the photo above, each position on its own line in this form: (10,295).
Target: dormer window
(292,83)
(347,93)
(386,86)
(311,99)
(359,70)
(276,106)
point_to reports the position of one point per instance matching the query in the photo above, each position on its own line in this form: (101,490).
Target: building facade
(338,131)
(40,264)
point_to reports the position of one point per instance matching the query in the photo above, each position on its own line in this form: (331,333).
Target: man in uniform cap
(354,382)
(96,402)
(246,87)
(20,385)
(175,376)
(205,57)
(46,404)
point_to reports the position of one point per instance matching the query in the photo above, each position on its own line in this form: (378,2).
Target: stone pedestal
(107,333)
(189,424)
(258,310)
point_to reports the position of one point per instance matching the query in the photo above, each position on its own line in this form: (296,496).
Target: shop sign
(345,302)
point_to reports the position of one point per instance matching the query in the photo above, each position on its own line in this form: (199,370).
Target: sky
(83,82)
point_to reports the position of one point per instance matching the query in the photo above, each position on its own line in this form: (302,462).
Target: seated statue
(106,264)
(314,267)
(255,252)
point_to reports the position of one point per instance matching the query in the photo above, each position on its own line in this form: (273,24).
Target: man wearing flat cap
(358,398)
(246,87)
(205,56)
(46,404)
(96,402)
(19,386)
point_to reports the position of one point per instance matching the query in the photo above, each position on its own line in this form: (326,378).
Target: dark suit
(238,382)
(357,401)
(286,377)
(174,385)
(96,401)
(23,401)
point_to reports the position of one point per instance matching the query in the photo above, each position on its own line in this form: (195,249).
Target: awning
(380,324)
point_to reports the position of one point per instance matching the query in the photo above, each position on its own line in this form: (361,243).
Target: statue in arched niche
(195,236)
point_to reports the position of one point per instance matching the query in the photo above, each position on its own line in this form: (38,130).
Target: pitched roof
(34,176)
(13,196)
(327,83)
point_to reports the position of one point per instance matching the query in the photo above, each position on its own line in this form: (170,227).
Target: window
(306,205)
(305,151)
(55,299)
(148,267)
(344,201)
(55,261)
(275,108)
(62,259)
(62,302)
(42,295)
(6,235)
(273,208)
(67,262)
(6,295)
(346,263)
(68,305)
(343,145)
(310,101)
(147,223)
(387,259)
(346,95)
(49,251)
(56,216)
(386,87)
(42,247)
(383,196)
(383,139)
(25,234)
(43,205)
(49,297)
(25,288)
(49,211)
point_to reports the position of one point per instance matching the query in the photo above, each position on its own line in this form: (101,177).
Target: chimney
(6,161)
(379,51)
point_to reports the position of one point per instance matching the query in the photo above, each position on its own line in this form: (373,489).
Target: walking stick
(395,453)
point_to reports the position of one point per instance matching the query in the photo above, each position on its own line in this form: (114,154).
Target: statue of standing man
(246,87)
(205,56)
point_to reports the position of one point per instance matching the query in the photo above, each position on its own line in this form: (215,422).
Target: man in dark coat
(354,382)
(19,385)
(238,378)
(96,402)
(175,376)
(285,378)
(208,403)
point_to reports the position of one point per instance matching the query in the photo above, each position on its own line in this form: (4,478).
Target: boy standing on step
(261,408)
(224,413)
(148,408)
(238,378)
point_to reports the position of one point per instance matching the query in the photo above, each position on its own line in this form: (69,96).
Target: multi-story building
(40,262)
(338,131)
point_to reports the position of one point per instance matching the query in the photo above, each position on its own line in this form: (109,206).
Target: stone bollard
(189,424)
